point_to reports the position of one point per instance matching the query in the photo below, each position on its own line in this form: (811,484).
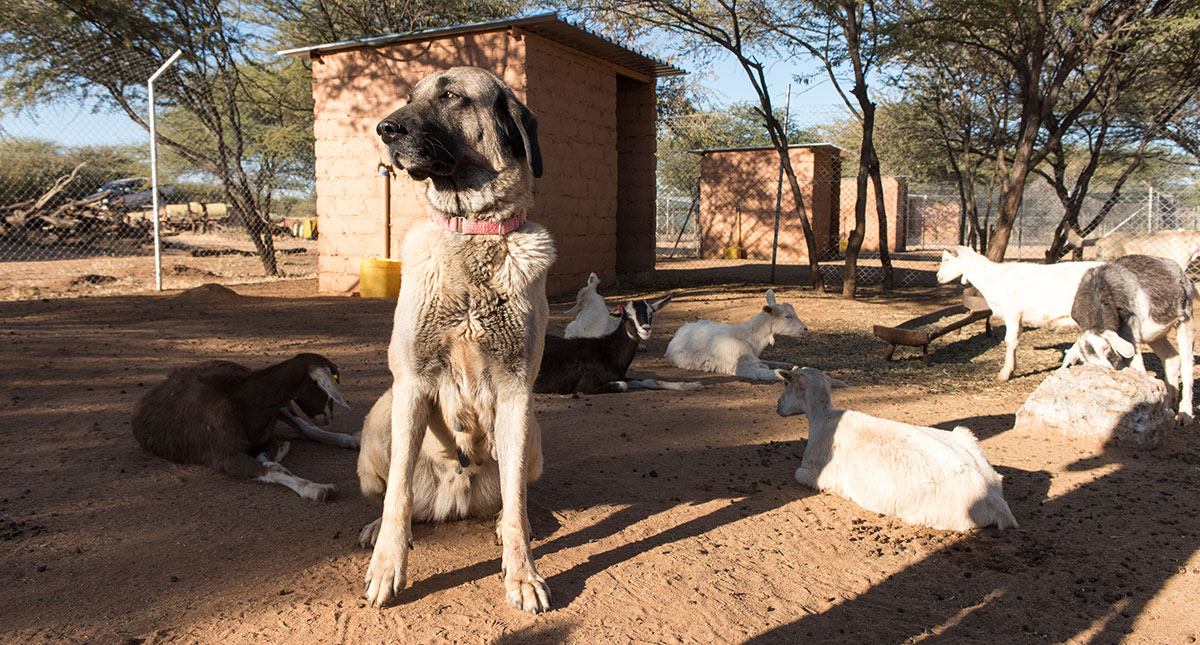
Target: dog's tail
(1076,241)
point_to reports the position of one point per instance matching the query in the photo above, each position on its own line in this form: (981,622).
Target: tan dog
(456,436)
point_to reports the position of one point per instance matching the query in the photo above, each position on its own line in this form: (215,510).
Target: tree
(735,29)
(307,22)
(845,33)
(737,126)
(208,95)
(231,110)
(1042,47)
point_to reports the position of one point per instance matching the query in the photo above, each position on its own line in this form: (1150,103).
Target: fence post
(154,167)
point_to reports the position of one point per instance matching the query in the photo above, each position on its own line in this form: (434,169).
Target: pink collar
(466,226)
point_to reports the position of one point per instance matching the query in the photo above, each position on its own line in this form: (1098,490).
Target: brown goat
(223,414)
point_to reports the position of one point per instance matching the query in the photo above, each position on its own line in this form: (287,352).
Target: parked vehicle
(130,193)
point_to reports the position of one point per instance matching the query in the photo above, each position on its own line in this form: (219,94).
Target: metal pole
(154,167)
(787,107)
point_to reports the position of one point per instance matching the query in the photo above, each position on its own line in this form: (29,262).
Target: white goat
(1038,295)
(592,319)
(935,478)
(733,349)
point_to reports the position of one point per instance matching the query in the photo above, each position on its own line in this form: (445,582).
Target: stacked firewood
(55,219)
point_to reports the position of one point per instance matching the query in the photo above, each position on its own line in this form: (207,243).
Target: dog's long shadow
(754,479)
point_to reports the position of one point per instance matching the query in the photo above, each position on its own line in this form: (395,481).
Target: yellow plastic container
(379,278)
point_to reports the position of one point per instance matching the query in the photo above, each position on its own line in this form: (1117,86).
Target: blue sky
(77,125)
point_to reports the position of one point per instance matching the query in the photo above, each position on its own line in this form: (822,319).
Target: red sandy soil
(661,516)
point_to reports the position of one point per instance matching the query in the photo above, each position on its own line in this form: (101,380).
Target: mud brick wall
(895,204)
(597,192)
(748,180)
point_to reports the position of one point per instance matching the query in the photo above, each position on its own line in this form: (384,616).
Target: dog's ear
(517,127)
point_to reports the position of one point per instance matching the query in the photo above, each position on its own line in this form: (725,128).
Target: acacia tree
(1043,47)
(845,33)
(738,29)
(959,100)
(207,95)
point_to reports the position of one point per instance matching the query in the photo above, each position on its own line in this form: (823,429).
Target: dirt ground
(661,516)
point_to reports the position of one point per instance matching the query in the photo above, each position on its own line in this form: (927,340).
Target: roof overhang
(822,144)
(548,26)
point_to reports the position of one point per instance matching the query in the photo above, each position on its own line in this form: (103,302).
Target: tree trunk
(257,225)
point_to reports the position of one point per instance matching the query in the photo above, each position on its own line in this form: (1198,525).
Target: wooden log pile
(54,219)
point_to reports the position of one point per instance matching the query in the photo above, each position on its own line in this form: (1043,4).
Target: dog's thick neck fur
(480,193)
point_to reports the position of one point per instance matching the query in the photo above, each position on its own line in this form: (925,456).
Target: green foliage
(310,22)
(31,168)
(739,126)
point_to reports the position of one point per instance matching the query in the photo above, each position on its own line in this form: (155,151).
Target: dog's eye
(449,95)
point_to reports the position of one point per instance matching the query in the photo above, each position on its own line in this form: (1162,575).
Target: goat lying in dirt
(223,414)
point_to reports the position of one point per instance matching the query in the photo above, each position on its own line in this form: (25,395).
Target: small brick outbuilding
(746,180)
(595,103)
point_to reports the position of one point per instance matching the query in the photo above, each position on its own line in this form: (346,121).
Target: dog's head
(462,125)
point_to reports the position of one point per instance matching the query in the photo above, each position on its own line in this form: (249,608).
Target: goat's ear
(771,297)
(1119,345)
(785,375)
(767,308)
(618,312)
(593,280)
(661,302)
(324,380)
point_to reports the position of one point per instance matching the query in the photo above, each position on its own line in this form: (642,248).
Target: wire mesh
(727,230)
(76,215)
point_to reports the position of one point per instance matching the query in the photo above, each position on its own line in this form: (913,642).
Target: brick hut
(747,180)
(595,102)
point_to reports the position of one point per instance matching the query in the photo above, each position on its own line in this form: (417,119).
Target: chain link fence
(719,205)
(76,215)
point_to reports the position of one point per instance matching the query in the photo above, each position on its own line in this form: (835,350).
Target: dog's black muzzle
(420,147)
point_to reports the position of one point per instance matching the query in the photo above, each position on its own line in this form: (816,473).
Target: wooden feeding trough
(910,332)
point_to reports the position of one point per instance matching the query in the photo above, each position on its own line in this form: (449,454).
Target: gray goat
(223,414)
(1131,300)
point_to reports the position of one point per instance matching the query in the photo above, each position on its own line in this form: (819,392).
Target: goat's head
(638,315)
(1105,349)
(804,389)
(320,390)
(784,321)
(581,297)
(951,267)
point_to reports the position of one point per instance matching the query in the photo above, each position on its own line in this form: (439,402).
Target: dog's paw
(386,576)
(528,593)
(369,533)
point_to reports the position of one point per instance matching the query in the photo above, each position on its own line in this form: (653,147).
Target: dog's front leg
(386,576)
(523,587)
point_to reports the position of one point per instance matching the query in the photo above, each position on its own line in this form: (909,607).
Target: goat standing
(223,414)
(1019,293)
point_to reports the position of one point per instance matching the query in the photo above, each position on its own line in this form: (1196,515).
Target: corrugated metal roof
(548,26)
(819,144)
